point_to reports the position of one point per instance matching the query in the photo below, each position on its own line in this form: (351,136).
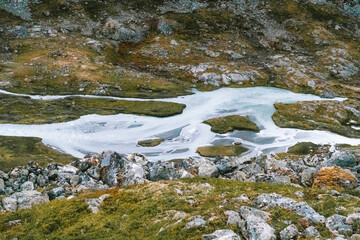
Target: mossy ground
(18,151)
(140,211)
(24,110)
(215,151)
(303,148)
(333,116)
(230,123)
(151,142)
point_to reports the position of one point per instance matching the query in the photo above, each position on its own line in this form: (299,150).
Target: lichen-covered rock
(55,192)
(224,234)
(311,232)
(335,176)
(336,224)
(9,204)
(233,217)
(254,225)
(290,232)
(267,201)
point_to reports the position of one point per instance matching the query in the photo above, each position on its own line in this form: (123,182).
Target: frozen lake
(183,133)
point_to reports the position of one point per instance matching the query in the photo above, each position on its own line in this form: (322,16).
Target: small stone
(355,237)
(242,199)
(14,222)
(353,218)
(299,194)
(75,180)
(196,221)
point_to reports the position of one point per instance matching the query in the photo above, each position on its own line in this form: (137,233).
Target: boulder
(341,159)
(2,187)
(56,192)
(311,232)
(290,232)
(233,217)
(254,225)
(353,218)
(25,199)
(196,221)
(267,201)
(224,234)
(9,204)
(27,186)
(307,176)
(336,225)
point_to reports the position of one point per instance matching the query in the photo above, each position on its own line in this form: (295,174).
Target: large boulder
(267,201)
(26,199)
(254,225)
(341,159)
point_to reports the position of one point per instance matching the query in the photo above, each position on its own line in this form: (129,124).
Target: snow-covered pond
(184,132)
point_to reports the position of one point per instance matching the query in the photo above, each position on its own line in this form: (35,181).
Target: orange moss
(333,176)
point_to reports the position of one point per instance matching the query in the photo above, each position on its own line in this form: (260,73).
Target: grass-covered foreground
(140,211)
(18,151)
(24,110)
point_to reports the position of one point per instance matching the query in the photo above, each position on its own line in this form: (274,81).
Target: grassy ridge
(140,211)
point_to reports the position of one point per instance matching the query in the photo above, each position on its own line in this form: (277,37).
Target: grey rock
(206,168)
(4,175)
(14,222)
(290,232)
(94,203)
(255,226)
(336,224)
(9,204)
(341,159)
(196,221)
(299,194)
(307,176)
(233,217)
(75,180)
(267,201)
(164,28)
(56,192)
(27,186)
(2,187)
(311,232)
(25,198)
(355,237)
(224,234)
(243,198)
(353,218)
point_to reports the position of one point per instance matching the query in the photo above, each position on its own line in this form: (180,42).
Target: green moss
(23,110)
(151,142)
(214,151)
(18,151)
(303,148)
(231,123)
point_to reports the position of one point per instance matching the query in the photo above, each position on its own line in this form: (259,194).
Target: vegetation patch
(342,118)
(230,123)
(18,151)
(24,110)
(303,148)
(215,151)
(151,142)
